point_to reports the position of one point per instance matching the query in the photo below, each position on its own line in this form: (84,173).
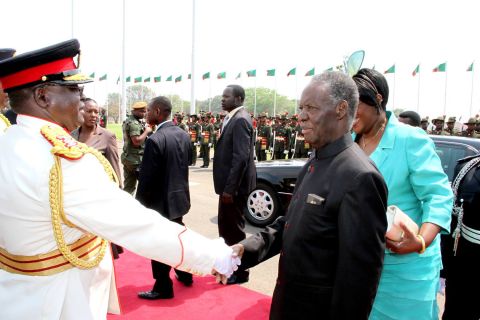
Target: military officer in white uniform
(4,122)
(59,206)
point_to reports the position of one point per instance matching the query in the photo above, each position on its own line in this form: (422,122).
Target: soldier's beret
(471,120)
(6,53)
(53,64)
(451,119)
(139,105)
(424,120)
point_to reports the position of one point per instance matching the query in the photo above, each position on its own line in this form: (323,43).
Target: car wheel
(262,206)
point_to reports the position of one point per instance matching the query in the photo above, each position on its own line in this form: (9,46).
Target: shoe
(234,279)
(154,295)
(187,282)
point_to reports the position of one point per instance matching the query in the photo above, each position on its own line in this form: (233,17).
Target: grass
(116,128)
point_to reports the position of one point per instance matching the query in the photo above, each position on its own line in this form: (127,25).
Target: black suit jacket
(233,166)
(163,178)
(332,239)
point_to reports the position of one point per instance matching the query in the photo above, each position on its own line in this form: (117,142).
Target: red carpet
(204,300)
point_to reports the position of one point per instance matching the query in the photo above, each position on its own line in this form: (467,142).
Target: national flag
(206,76)
(417,70)
(221,75)
(137,80)
(329,69)
(92,75)
(104,77)
(390,70)
(128,79)
(157,79)
(170,78)
(252,73)
(271,73)
(189,76)
(118,79)
(178,79)
(310,72)
(292,72)
(146,79)
(470,67)
(442,67)
(239,75)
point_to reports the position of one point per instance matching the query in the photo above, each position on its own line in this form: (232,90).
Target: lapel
(385,147)
(229,124)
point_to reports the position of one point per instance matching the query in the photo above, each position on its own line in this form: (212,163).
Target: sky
(236,36)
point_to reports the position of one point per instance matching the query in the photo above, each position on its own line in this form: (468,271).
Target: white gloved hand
(292,150)
(271,149)
(285,152)
(209,145)
(227,261)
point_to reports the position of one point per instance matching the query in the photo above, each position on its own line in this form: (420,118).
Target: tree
(137,93)
(265,101)
(113,106)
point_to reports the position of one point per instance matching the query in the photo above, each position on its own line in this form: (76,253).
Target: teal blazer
(416,182)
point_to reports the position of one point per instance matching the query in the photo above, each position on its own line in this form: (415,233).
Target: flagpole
(192,80)
(471,93)
(445,102)
(123,108)
(209,94)
(255,98)
(275,97)
(418,93)
(394,85)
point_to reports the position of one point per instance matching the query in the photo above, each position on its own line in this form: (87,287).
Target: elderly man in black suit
(332,239)
(163,185)
(234,173)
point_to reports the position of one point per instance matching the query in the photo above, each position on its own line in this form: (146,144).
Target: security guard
(195,131)
(4,121)
(439,130)
(470,131)
(58,203)
(135,131)
(450,129)
(281,139)
(206,139)
(300,147)
(461,249)
(263,139)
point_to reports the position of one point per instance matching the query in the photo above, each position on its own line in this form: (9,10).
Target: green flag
(221,75)
(189,76)
(157,79)
(118,79)
(104,77)
(442,67)
(329,69)
(206,76)
(169,78)
(417,70)
(310,72)
(271,73)
(137,80)
(292,72)
(146,79)
(178,79)
(128,79)
(390,70)
(470,67)
(252,73)
(239,75)
(92,75)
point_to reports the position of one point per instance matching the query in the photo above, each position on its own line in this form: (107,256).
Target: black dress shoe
(154,295)
(187,282)
(234,279)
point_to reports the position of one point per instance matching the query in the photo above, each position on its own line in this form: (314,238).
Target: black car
(276,179)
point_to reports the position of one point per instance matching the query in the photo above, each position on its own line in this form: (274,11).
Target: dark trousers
(261,154)
(161,272)
(130,177)
(205,151)
(194,153)
(231,223)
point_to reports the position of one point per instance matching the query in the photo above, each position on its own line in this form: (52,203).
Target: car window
(449,154)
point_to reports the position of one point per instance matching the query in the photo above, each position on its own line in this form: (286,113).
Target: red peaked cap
(51,64)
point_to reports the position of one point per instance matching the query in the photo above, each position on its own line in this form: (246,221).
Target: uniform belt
(279,138)
(470,234)
(49,263)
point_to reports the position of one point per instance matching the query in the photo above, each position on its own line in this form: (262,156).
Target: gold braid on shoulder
(5,119)
(64,146)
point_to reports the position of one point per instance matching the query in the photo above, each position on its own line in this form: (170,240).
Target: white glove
(285,152)
(209,145)
(226,262)
(271,149)
(197,143)
(293,150)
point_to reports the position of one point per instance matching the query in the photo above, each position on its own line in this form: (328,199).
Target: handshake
(227,261)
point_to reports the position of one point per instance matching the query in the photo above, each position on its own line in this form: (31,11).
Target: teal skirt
(408,288)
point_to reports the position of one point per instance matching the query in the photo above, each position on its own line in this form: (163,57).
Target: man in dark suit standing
(163,185)
(332,239)
(234,173)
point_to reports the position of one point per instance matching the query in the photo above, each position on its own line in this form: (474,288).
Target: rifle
(295,144)
(255,145)
(273,144)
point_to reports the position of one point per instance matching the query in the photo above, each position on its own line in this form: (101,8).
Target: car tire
(262,206)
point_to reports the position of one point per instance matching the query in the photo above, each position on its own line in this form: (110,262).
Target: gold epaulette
(5,119)
(65,146)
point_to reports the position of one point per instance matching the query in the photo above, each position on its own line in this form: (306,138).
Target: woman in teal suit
(416,183)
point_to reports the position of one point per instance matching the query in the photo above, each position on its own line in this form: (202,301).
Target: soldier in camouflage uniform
(195,130)
(451,127)
(208,133)
(300,147)
(135,132)
(439,122)
(179,122)
(263,138)
(470,131)
(424,124)
(293,135)
(282,139)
